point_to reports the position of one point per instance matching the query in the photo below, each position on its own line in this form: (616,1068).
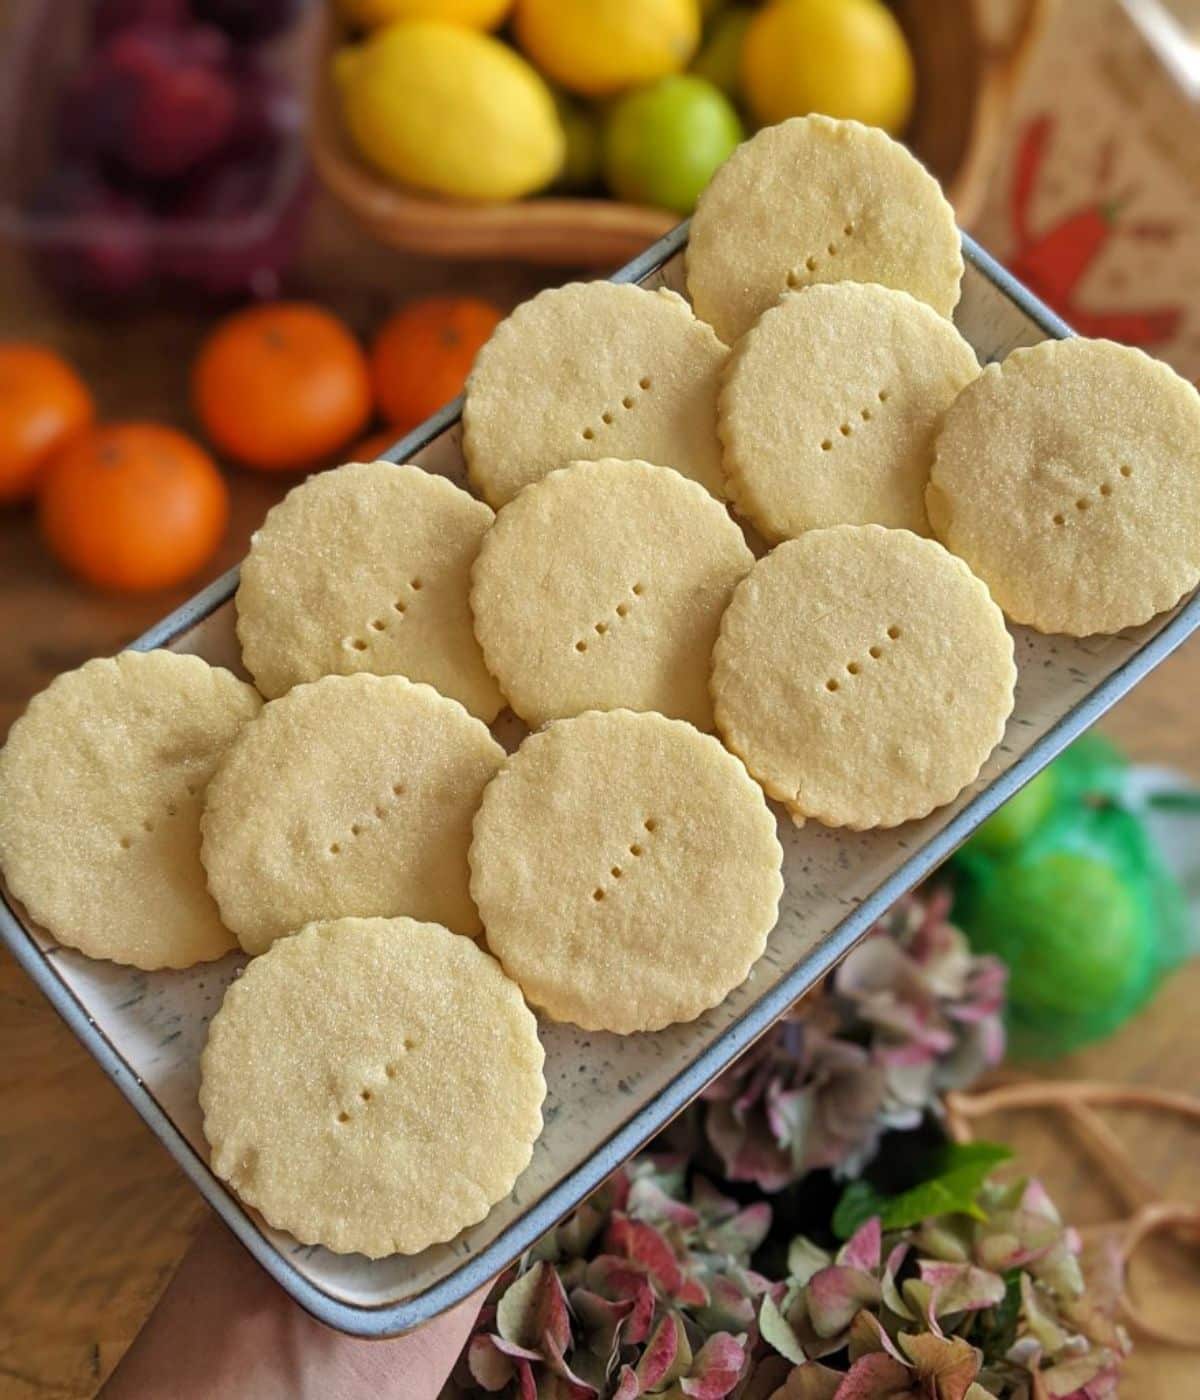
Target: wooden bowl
(964,78)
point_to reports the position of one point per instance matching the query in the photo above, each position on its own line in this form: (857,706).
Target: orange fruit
(43,404)
(423,353)
(133,507)
(279,387)
(373,446)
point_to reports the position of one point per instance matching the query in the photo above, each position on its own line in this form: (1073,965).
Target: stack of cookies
(761,544)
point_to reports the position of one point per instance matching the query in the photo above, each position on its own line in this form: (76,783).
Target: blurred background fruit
(846,58)
(373,446)
(43,405)
(599,47)
(248,21)
(133,507)
(475,14)
(581,167)
(443,108)
(662,143)
(720,56)
(279,387)
(422,353)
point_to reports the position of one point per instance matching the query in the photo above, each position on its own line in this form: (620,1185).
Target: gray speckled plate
(607,1094)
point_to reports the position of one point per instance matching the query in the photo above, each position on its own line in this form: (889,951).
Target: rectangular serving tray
(607,1094)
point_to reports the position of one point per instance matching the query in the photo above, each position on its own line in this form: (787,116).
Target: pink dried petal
(742,1234)
(575,1389)
(643,1243)
(628,1385)
(868,1335)
(835,1294)
(805,1259)
(875,1377)
(1077,1378)
(863,1249)
(663,1351)
(812,1381)
(716,1368)
(648,1201)
(960,1287)
(490,1368)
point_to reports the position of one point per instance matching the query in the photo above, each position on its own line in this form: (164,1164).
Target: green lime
(1018,819)
(720,55)
(1071,931)
(663,142)
(581,164)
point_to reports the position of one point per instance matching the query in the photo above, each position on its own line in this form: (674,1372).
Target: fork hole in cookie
(380,813)
(126,842)
(644,382)
(832,250)
(635,850)
(1081,504)
(811,264)
(416,585)
(365,1095)
(884,395)
(1127,470)
(399,605)
(894,632)
(1105,489)
(390,1071)
(335,849)
(397,789)
(832,685)
(616,872)
(588,434)
(1060,519)
(845,430)
(358,644)
(650,824)
(409,1043)
(865,415)
(627,402)
(848,230)
(853,667)
(827,446)
(875,653)
(581,646)
(637,589)
(606,418)
(602,627)
(377,624)
(597,895)
(343,1117)
(622,609)
(355,829)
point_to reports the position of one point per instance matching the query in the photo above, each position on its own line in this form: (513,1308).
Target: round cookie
(367,568)
(829,407)
(817,200)
(351,795)
(627,870)
(372,1085)
(593,370)
(101,783)
(1068,477)
(601,587)
(863,674)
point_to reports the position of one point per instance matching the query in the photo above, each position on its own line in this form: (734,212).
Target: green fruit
(581,165)
(1074,936)
(663,142)
(720,56)
(1018,819)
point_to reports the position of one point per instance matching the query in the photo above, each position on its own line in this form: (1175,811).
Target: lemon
(846,58)
(475,14)
(598,47)
(449,110)
(663,142)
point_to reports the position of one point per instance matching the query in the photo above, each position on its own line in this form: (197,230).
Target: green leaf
(955,1173)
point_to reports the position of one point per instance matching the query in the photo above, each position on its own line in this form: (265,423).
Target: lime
(846,58)
(581,165)
(662,143)
(1018,819)
(450,110)
(599,47)
(720,56)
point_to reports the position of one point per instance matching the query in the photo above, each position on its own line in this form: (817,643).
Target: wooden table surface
(94,1213)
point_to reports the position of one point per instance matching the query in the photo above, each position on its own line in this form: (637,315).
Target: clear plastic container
(229,226)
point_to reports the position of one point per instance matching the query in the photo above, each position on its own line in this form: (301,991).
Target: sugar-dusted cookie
(372,1085)
(101,783)
(818,200)
(366,568)
(829,407)
(863,674)
(627,870)
(1068,477)
(593,370)
(601,587)
(351,795)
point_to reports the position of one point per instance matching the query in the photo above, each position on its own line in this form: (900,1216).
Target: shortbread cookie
(863,674)
(1068,477)
(367,568)
(829,408)
(601,587)
(818,200)
(372,1085)
(101,783)
(351,795)
(627,870)
(593,370)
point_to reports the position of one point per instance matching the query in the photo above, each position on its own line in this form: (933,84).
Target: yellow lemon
(449,110)
(475,14)
(598,47)
(846,58)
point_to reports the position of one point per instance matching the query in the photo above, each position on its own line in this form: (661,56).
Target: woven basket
(965,77)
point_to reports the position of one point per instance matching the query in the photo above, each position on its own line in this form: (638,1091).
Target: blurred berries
(248,21)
